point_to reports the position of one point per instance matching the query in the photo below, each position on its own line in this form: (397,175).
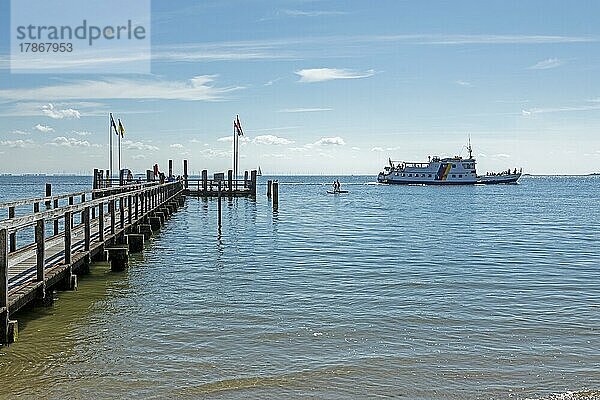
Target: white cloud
(139,157)
(547,64)
(326,74)
(271,139)
(56,113)
(17,143)
(356,148)
(44,128)
(131,145)
(241,139)
(548,110)
(196,88)
(82,133)
(176,146)
(330,141)
(72,142)
(377,149)
(462,83)
(302,110)
(20,132)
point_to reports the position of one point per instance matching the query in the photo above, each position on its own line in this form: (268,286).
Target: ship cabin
(447,170)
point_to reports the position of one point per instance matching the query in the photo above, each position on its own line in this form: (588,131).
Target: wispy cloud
(533,111)
(72,142)
(312,75)
(82,133)
(303,110)
(197,88)
(57,113)
(316,13)
(176,146)
(17,143)
(548,64)
(20,132)
(131,145)
(44,128)
(271,140)
(462,83)
(329,141)
(241,139)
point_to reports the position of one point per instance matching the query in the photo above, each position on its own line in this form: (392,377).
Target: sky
(324,87)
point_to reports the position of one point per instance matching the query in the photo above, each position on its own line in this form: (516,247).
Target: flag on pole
(113,125)
(237,125)
(121,128)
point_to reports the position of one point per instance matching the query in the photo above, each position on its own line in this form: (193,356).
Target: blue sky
(326,87)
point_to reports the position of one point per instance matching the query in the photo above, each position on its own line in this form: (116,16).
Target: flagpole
(119,155)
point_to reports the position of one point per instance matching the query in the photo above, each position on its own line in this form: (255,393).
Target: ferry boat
(443,171)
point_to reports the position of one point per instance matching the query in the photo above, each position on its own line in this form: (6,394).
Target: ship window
(460,176)
(453,165)
(429,175)
(423,175)
(409,174)
(454,176)
(403,174)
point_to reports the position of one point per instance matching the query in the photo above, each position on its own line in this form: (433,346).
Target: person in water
(339,187)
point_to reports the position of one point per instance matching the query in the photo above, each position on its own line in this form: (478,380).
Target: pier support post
(204,180)
(269,183)
(155,224)
(118,257)
(245,179)
(40,241)
(230,182)
(146,230)
(219,206)
(48,194)
(135,242)
(111,209)
(4,321)
(185,174)
(253,182)
(122,212)
(275,195)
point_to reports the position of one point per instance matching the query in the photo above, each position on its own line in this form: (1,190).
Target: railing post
(129,209)
(71,202)
(95,185)
(82,201)
(40,241)
(36,207)
(48,194)
(3,286)
(245,179)
(170,168)
(87,234)
(111,205)
(101,222)
(56,223)
(13,236)
(68,217)
(185,173)
(122,212)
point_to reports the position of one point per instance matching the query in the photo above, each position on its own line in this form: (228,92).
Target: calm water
(389,291)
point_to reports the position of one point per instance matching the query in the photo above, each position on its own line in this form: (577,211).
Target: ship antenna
(470,149)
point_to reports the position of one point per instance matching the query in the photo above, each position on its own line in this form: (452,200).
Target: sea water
(417,292)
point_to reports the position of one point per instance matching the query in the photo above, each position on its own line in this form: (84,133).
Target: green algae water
(482,292)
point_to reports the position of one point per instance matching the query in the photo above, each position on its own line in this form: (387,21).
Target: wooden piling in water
(204,180)
(269,183)
(135,242)
(170,168)
(185,174)
(230,182)
(253,182)
(275,195)
(118,257)
(219,206)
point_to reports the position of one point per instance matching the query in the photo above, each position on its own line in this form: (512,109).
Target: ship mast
(470,149)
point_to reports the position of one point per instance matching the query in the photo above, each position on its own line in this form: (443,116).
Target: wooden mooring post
(269,184)
(275,195)
(219,206)
(185,173)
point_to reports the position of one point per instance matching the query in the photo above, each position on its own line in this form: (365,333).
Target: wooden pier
(101,224)
(54,238)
